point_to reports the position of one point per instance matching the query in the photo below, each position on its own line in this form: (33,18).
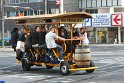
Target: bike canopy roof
(64,18)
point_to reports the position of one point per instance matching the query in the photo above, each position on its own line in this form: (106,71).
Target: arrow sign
(116,19)
(57,2)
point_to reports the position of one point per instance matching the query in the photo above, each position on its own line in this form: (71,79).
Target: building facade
(35,7)
(104,34)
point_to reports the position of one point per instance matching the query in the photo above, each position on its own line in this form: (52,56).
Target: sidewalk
(6,48)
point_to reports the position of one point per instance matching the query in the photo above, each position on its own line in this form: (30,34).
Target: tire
(25,64)
(92,64)
(49,67)
(64,68)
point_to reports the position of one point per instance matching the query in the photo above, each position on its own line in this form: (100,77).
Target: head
(23,30)
(83,30)
(28,30)
(52,29)
(15,30)
(37,29)
(62,28)
(43,29)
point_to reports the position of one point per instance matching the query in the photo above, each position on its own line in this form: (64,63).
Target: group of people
(81,35)
(26,38)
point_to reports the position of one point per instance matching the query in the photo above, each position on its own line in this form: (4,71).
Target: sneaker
(51,58)
(61,60)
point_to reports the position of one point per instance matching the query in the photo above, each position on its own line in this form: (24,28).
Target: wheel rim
(63,69)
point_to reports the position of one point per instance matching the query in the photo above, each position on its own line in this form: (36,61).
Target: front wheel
(64,68)
(92,64)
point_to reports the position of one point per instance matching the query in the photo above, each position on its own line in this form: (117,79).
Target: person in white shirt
(83,36)
(50,42)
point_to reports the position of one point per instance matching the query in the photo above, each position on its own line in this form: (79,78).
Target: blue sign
(101,20)
(87,22)
(2,81)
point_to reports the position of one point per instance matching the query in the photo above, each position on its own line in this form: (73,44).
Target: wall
(103,10)
(70,5)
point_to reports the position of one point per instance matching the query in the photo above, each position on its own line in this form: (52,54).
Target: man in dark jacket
(34,37)
(34,40)
(42,36)
(14,38)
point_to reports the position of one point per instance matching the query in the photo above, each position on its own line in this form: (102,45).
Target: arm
(57,37)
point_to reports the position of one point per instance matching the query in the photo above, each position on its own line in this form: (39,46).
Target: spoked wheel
(92,64)
(49,67)
(64,68)
(25,64)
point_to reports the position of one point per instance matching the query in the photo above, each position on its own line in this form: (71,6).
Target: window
(119,3)
(83,3)
(104,3)
(35,0)
(80,5)
(99,4)
(117,9)
(25,13)
(109,2)
(51,0)
(31,12)
(8,14)
(12,14)
(93,3)
(35,12)
(88,3)
(92,11)
(53,11)
(114,2)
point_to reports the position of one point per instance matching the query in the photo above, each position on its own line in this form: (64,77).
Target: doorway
(102,37)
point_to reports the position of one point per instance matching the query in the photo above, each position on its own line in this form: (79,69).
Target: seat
(35,45)
(42,46)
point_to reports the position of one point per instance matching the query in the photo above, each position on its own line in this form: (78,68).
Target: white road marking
(7,54)
(109,60)
(61,80)
(101,68)
(8,66)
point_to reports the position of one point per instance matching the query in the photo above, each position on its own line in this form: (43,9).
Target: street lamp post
(2,19)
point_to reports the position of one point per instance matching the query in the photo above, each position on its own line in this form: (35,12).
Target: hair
(23,28)
(84,30)
(28,30)
(36,27)
(14,30)
(51,28)
(61,27)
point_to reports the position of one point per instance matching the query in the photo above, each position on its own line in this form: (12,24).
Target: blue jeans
(60,50)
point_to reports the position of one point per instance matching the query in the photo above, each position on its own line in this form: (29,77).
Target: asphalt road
(108,58)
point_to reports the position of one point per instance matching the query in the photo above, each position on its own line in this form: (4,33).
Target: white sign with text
(101,20)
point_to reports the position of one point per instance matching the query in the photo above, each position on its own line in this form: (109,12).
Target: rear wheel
(49,67)
(92,64)
(25,64)
(64,68)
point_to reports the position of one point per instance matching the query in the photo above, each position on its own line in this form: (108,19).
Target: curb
(106,44)
(6,49)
